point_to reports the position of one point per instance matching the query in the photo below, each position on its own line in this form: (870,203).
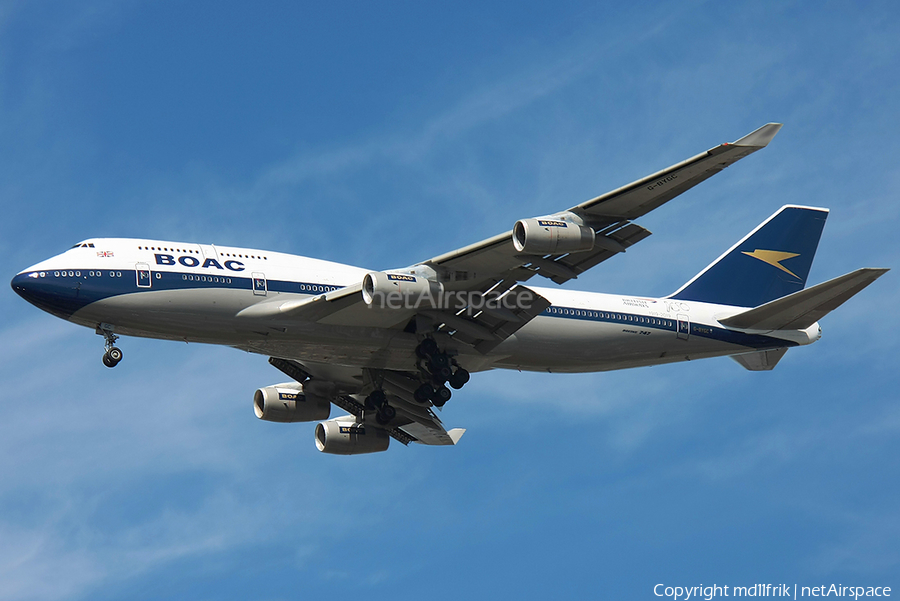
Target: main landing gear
(437,369)
(377,401)
(113,354)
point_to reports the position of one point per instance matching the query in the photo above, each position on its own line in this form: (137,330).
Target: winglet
(761,137)
(456,433)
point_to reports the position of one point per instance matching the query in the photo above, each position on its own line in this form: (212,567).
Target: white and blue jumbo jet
(387,346)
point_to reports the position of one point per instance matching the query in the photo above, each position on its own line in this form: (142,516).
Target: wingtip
(456,433)
(761,137)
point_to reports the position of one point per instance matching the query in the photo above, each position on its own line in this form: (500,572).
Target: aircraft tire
(385,414)
(459,378)
(438,362)
(376,399)
(427,347)
(423,393)
(441,395)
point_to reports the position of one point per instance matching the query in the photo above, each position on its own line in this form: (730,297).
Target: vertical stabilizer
(772,261)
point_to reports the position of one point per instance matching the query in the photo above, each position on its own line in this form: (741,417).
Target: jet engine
(344,436)
(550,236)
(289,403)
(399,290)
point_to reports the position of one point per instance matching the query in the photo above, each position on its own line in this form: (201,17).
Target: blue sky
(380,134)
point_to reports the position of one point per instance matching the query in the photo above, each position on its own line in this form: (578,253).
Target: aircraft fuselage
(209,294)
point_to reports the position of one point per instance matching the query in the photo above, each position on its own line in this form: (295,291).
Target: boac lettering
(189,261)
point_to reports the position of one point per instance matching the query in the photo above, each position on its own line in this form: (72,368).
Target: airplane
(388,347)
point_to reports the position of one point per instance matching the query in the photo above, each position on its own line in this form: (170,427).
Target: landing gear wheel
(423,393)
(376,399)
(442,375)
(112,357)
(459,378)
(438,361)
(385,414)
(427,348)
(440,396)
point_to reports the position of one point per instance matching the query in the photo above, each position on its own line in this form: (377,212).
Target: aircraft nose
(24,284)
(46,293)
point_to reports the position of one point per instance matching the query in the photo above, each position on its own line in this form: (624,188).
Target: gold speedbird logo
(774,258)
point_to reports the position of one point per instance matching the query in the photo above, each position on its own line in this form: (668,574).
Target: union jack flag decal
(105,253)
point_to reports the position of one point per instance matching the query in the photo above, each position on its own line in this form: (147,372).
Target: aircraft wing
(609,215)
(414,421)
(483,328)
(494,268)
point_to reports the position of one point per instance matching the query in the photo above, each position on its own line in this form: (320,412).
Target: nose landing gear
(113,354)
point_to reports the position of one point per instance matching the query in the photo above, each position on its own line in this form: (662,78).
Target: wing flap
(414,419)
(802,309)
(500,316)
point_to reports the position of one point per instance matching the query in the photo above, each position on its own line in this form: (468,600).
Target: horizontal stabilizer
(760,360)
(802,309)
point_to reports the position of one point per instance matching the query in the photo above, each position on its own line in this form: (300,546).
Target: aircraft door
(260,286)
(144,279)
(209,251)
(684,326)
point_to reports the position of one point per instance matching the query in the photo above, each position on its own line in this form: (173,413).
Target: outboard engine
(551,236)
(289,403)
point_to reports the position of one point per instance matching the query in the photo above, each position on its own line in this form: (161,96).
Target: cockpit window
(84,245)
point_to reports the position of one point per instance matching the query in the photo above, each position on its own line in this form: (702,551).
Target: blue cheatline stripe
(670,325)
(612,317)
(63,295)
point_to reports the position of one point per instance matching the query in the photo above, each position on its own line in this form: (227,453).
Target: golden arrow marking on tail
(774,258)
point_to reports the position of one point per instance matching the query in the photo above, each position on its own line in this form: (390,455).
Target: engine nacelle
(549,236)
(289,403)
(400,290)
(344,436)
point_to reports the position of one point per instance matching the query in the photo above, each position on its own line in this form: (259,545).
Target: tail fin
(772,261)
